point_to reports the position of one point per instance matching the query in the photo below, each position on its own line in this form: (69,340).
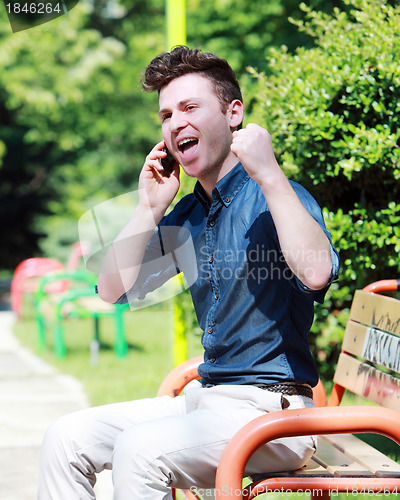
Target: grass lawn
(149,333)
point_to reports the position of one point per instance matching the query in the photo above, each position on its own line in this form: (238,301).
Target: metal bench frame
(79,301)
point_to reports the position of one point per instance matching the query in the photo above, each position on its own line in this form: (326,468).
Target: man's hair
(182,61)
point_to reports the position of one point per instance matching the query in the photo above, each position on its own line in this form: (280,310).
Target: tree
(241,31)
(333,113)
(66,137)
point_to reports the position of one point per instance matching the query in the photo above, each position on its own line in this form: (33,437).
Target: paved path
(32,395)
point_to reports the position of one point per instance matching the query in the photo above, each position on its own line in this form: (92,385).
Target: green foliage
(370,245)
(238,30)
(73,123)
(327,331)
(241,31)
(333,113)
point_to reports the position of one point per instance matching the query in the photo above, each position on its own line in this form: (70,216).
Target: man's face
(196,130)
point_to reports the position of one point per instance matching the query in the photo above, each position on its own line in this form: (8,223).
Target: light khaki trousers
(155,444)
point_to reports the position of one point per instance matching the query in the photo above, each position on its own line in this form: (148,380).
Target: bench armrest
(392,285)
(176,380)
(319,394)
(307,421)
(184,373)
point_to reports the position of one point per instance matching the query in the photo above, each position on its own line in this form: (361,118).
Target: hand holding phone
(168,163)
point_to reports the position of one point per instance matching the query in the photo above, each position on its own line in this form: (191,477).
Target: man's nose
(177,121)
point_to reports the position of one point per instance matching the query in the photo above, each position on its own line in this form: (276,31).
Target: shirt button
(216,296)
(227,199)
(211,260)
(210,330)
(212,360)
(212,223)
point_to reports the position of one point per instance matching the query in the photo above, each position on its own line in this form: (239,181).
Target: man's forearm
(304,244)
(123,260)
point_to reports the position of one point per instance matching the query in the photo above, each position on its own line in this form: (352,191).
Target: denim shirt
(255,314)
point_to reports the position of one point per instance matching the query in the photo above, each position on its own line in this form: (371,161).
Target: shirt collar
(226,189)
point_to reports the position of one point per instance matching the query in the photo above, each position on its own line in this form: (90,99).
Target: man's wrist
(150,216)
(272,180)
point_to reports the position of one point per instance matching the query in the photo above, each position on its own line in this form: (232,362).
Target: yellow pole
(176,35)
(176,23)
(180,345)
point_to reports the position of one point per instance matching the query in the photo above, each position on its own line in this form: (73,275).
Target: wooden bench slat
(337,463)
(343,455)
(378,311)
(368,382)
(368,456)
(373,345)
(312,469)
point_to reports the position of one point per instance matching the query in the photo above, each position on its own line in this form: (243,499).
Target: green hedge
(333,112)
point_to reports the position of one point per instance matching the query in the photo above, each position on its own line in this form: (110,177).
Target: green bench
(78,301)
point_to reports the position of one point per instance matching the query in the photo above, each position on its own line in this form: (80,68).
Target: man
(263,255)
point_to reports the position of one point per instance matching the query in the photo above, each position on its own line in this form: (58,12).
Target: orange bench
(369,366)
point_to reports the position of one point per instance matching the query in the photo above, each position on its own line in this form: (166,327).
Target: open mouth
(187,147)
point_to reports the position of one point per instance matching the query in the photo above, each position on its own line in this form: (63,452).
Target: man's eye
(165,117)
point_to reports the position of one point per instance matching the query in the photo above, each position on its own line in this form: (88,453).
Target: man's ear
(235,113)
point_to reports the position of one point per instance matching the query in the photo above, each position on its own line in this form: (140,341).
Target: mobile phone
(167,163)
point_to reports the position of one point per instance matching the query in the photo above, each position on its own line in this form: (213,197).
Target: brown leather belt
(288,389)
(285,388)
